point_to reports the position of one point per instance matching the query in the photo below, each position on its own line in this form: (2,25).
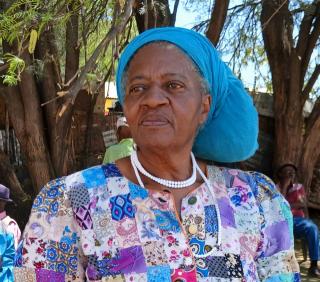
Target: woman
(161,214)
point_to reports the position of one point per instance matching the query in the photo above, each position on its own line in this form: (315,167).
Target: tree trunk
(25,113)
(72,47)
(48,86)
(285,67)
(9,178)
(311,145)
(155,15)
(33,142)
(296,142)
(288,142)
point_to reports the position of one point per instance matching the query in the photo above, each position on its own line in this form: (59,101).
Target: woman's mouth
(154,121)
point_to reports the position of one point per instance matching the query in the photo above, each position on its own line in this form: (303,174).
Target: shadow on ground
(304,265)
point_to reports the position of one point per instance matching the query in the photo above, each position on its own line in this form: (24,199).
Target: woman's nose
(155,97)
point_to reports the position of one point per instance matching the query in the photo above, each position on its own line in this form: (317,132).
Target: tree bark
(25,113)
(311,145)
(48,86)
(33,142)
(72,47)
(9,178)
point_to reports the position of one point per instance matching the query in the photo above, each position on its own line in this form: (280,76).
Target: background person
(124,146)
(8,224)
(162,214)
(9,237)
(7,255)
(302,227)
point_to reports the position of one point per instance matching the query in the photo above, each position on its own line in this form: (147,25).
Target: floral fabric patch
(167,221)
(121,184)
(154,253)
(106,241)
(34,253)
(177,250)
(126,229)
(62,257)
(88,242)
(146,222)
(234,266)
(49,198)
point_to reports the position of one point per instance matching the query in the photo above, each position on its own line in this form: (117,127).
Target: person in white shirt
(7,223)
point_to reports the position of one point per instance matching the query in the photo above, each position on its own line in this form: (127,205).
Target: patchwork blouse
(96,225)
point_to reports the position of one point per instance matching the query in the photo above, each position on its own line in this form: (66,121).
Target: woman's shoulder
(95,175)
(90,177)
(76,184)
(260,185)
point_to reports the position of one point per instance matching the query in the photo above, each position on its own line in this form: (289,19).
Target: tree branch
(313,38)
(310,83)
(240,7)
(313,118)
(174,13)
(304,32)
(117,27)
(72,48)
(217,20)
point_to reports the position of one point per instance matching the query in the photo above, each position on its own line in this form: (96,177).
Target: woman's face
(164,103)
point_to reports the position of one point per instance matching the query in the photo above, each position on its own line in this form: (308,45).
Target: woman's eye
(136,89)
(174,85)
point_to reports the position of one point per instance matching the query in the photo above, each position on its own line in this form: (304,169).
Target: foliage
(200,7)
(241,42)
(23,18)
(16,67)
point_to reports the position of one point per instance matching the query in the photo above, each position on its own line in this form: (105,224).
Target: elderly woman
(164,214)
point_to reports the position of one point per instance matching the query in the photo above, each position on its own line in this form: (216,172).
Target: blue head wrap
(231,131)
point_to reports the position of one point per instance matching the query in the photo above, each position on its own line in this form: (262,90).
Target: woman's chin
(156,143)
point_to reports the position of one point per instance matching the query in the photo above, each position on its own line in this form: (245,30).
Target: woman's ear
(206,105)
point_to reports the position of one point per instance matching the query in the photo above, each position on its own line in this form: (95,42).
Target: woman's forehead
(161,54)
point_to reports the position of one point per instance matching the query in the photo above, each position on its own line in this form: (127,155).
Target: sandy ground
(304,265)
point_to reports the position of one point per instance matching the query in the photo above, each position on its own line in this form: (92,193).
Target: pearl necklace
(165,182)
(135,162)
